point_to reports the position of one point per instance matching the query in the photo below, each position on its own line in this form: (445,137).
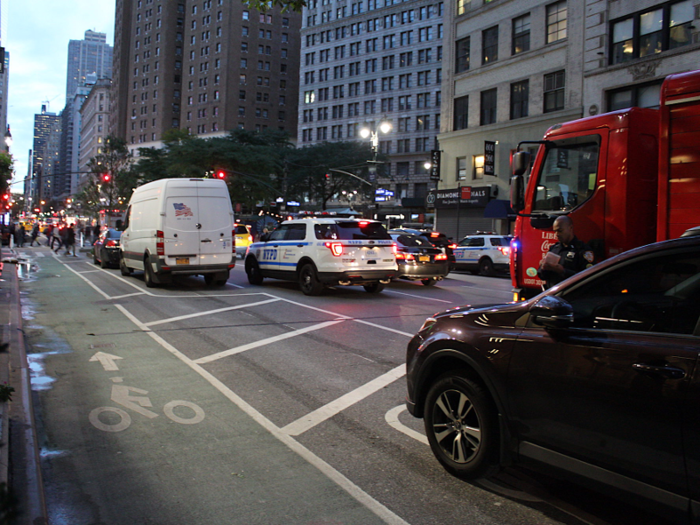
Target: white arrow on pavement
(106,360)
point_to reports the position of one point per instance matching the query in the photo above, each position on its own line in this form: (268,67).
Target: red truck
(626,178)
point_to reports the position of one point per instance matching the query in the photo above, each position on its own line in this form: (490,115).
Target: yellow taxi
(243,238)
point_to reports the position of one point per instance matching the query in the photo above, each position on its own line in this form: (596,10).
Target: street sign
(435,164)
(382,195)
(489,157)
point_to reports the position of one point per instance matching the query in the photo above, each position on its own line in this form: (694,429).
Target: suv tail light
(505,250)
(336,248)
(160,243)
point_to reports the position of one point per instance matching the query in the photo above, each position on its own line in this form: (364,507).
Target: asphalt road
(250,404)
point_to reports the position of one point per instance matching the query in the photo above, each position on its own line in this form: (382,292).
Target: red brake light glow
(363,224)
(434,234)
(405,256)
(233,241)
(336,248)
(441,257)
(505,250)
(111,244)
(453,246)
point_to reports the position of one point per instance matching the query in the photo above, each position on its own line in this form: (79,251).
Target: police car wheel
(374,287)
(486,267)
(308,280)
(252,269)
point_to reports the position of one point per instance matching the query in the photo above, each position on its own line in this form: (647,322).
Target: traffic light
(6,197)
(329,178)
(106,177)
(220,174)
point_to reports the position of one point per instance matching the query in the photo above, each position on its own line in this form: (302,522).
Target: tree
(111,176)
(6,171)
(286,5)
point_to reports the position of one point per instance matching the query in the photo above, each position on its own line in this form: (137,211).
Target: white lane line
(392,417)
(420,297)
(333,408)
(126,295)
(263,342)
(308,307)
(386,328)
(93,286)
(89,271)
(209,312)
(353,490)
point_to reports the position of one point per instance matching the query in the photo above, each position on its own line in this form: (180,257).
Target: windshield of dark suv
(351,230)
(569,174)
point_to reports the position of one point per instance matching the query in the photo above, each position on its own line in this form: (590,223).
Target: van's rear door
(216,220)
(180,227)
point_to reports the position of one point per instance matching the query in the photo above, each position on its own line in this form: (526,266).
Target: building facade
(94,117)
(45,163)
(514,69)
(373,61)
(203,66)
(90,55)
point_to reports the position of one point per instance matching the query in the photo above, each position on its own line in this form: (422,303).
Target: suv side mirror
(552,312)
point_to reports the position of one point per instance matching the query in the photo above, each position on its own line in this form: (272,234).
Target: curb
(18,428)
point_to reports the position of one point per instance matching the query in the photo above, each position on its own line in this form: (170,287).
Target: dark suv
(437,239)
(597,377)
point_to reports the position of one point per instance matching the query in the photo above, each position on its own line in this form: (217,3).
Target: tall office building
(90,55)
(66,179)
(47,138)
(367,62)
(94,117)
(204,66)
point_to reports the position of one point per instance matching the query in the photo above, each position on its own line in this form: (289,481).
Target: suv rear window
(351,230)
(500,241)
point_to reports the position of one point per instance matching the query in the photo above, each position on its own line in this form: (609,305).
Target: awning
(499,209)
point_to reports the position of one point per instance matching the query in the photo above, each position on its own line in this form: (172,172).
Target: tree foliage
(285,5)
(6,170)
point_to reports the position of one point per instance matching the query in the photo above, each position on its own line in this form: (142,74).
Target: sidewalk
(19,453)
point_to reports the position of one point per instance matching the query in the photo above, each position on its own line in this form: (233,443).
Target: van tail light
(401,256)
(233,241)
(441,257)
(336,248)
(160,243)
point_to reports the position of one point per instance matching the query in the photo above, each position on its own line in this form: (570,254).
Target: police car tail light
(336,248)
(441,257)
(160,243)
(505,250)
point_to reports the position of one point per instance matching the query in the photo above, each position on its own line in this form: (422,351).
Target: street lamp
(8,139)
(384,126)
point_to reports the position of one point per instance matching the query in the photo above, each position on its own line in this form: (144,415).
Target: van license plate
(182,260)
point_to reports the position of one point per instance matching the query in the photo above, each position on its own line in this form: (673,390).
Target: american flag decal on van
(182,210)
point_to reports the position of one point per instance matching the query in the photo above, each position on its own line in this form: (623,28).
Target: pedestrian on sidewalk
(69,239)
(58,232)
(35,234)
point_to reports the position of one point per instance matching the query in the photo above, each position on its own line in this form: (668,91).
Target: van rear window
(351,230)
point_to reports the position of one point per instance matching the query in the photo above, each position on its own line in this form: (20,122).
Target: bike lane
(130,435)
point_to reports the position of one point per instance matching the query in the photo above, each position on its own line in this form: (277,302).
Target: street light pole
(384,126)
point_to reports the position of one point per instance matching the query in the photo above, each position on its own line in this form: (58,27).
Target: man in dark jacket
(565,258)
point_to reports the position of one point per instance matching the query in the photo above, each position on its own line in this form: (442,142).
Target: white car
(324,252)
(485,253)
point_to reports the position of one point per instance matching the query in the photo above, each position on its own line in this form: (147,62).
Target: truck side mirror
(521,162)
(517,199)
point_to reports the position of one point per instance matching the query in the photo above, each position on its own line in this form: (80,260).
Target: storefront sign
(467,196)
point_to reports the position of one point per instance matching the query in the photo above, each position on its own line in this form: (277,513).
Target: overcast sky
(36,34)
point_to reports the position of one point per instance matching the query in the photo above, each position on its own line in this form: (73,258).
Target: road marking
(106,360)
(263,342)
(333,408)
(331,473)
(210,312)
(420,297)
(386,328)
(392,417)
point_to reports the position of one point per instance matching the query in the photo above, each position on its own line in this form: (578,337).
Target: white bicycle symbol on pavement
(123,395)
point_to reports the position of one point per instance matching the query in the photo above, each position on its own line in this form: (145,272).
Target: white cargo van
(179,227)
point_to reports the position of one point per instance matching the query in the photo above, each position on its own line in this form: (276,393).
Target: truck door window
(568,176)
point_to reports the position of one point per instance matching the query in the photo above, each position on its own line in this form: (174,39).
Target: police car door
(292,249)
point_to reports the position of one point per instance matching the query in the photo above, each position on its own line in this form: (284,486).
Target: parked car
(324,252)
(419,260)
(243,238)
(486,253)
(597,378)
(437,239)
(105,250)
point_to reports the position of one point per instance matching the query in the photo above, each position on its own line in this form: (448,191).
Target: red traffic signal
(106,177)
(220,174)
(6,196)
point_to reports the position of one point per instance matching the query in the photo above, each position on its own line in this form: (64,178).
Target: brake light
(336,248)
(363,224)
(405,256)
(111,244)
(505,250)
(250,238)
(441,257)
(434,234)
(453,246)
(160,243)
(233,241)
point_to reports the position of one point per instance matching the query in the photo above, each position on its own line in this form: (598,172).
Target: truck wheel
(252,269)
(373,288)
(308,280)
(123,268)
(148,275)
(486,267)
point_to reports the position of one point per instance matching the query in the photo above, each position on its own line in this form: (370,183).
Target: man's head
(564,229)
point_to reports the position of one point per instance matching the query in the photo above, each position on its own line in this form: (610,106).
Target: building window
(462,55)
(521,34)
(478,164)
(556,22)
(461,168)
(643,96)
(461,113)
(650,32)
(488,106)
(554,91)
(463,6)
(519,94)
(490,45)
